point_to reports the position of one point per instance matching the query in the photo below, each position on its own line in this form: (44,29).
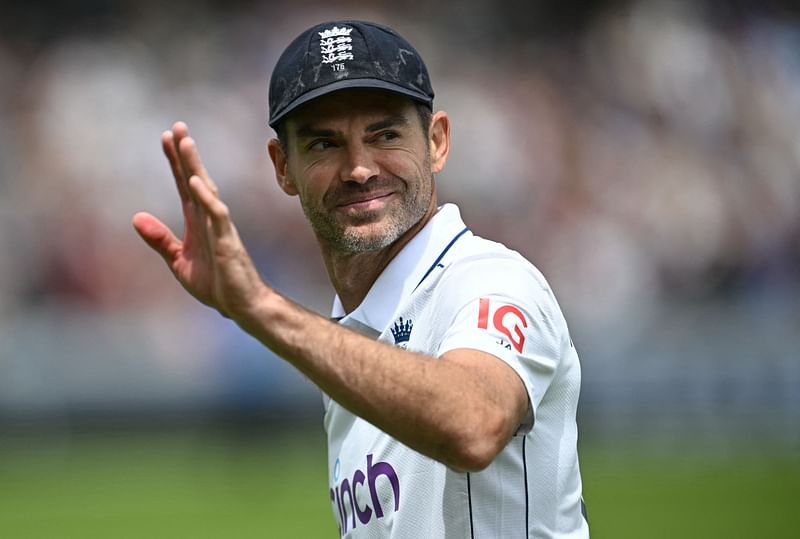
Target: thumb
(157,235)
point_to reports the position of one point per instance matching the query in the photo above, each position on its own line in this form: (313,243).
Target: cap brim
(345,84)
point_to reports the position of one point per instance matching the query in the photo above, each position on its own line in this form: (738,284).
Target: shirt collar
(399,279)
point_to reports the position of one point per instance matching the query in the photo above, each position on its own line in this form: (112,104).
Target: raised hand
(210,262)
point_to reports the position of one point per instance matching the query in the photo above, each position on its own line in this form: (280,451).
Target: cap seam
(307,54)
(360,29)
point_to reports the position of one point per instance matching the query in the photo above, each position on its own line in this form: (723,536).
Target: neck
(352,275)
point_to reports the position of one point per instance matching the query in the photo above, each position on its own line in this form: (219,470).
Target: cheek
(314,183)
(409,165)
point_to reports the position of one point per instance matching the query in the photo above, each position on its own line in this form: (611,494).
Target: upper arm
(507,312)
(500,384)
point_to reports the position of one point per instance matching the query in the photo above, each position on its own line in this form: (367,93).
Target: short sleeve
(504,308)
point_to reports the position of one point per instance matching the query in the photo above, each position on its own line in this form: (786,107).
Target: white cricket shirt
(449,289)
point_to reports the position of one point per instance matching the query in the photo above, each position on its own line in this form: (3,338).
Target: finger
(171,151)
(190,156)
(157,235)
(180,129)
(217,211)
(179,132)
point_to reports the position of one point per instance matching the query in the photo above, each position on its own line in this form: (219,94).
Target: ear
(281,164)
(439,140)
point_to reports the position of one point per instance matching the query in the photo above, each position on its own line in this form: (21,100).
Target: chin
(371,237)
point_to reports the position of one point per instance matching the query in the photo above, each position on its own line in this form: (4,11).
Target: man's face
(360,162)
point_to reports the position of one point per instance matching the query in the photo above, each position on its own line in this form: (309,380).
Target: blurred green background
(196,485)
(644,154)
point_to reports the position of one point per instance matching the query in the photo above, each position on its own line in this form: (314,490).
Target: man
(450,382)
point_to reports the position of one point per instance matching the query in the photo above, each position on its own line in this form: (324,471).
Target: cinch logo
(344,496)
(499,322)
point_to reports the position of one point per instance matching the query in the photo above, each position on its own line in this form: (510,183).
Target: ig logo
(504,315)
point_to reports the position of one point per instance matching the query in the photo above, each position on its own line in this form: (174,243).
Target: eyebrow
(391,121)
(309,131)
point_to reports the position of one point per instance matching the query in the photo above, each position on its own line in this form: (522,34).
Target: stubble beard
(348,238)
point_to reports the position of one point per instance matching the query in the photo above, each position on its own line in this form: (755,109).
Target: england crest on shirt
(401,331)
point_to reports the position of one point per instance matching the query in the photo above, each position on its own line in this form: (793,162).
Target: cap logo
(335,46)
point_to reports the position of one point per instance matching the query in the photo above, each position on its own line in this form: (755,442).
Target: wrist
(259,309)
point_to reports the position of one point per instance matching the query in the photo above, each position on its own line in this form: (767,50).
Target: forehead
(352,104)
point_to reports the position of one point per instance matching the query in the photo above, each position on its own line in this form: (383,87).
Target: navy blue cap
(345,54)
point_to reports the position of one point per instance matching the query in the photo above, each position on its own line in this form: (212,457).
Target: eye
(321,144)
(387,136)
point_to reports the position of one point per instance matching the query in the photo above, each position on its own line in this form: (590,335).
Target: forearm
(438,407)
(455,409)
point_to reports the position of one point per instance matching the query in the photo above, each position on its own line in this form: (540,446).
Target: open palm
(210,261)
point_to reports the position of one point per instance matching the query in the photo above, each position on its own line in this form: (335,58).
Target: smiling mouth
(366,201)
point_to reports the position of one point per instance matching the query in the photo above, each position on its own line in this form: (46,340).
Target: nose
(361,165)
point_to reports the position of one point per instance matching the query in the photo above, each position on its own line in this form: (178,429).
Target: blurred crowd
(647,160)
